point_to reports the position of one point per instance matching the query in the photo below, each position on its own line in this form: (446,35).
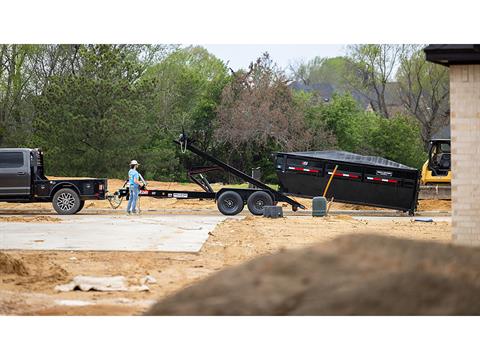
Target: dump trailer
(230,201)
(361,180)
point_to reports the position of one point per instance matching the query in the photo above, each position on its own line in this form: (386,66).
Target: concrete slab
(171,233)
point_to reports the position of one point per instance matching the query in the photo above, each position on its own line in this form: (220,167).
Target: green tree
(188,85)
(15,88)
(321,70)
(350,124)
(93,122)
(313,109)
(399,139)
(366,132)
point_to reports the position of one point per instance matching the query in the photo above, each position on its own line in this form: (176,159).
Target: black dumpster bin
(362,180)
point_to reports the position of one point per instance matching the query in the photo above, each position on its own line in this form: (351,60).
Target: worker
(134,187)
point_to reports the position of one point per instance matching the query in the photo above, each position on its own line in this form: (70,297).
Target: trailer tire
(257,201)
(230,203)
(66,201)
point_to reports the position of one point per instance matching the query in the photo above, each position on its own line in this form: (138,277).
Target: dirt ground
(31,292)
(232,242)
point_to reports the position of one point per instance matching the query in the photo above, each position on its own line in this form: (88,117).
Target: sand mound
(10,265)
(365,275)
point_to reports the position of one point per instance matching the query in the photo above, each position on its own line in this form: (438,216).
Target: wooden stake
(329,204)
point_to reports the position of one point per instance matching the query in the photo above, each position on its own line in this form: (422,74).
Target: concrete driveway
(175,233)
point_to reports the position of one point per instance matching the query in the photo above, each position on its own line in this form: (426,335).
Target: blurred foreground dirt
(232,242)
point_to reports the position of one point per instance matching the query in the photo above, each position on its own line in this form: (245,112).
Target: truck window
(11,159)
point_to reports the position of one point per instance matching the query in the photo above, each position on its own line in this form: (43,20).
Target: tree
(14,88)
(188,85)
(321,70)
(257,115)
(257,109)
(398,139)
(349,123)
(313,111)
(372,67)
(94,121)
(368,133)
(424,91)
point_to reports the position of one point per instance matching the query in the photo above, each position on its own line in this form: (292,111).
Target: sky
(240,56)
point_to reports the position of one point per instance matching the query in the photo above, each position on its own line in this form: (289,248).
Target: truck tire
(66,201)
(257,201)
(230,203)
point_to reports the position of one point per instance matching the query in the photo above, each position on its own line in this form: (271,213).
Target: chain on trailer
(115,200)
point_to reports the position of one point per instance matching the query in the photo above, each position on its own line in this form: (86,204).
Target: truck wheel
(257,201)
(230,203)
(66,201)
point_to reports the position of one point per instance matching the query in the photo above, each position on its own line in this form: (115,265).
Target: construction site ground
(28,278)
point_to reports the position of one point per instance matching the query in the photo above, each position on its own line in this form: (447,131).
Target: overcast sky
(240,56)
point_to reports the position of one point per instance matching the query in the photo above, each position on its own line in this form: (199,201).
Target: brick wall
(465,130)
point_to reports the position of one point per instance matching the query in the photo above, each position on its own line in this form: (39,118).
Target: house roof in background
(443,133)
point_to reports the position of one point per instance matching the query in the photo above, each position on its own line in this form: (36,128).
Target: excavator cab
(437,169)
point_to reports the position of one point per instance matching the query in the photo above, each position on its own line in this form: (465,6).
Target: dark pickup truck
(22,180)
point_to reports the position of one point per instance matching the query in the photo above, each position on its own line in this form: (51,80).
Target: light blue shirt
(132,176)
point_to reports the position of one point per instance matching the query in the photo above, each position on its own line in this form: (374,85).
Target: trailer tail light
(303,169)
(101,187)
(393,181)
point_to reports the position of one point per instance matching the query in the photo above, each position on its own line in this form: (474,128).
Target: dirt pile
(10,265)
(361,275)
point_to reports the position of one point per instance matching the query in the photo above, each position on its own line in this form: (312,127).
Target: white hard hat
(134,162)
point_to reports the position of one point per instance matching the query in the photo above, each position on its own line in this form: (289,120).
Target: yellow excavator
(436,172)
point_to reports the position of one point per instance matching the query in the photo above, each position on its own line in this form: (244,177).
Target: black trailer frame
(230,201)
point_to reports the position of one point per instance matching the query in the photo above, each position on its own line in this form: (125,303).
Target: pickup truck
(22,180)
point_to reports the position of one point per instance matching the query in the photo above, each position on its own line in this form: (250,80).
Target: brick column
(465,131)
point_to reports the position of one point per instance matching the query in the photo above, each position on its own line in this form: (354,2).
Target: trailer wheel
(257,201)
(66,201)
(230,203)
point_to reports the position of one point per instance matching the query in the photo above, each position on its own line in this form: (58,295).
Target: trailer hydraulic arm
(185,144)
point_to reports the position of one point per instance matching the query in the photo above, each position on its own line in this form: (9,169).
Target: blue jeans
(132,201)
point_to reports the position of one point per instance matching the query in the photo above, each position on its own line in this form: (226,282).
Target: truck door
(14,173)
